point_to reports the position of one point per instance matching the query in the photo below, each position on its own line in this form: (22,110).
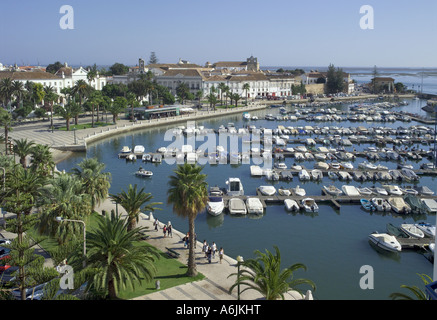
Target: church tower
(252,64)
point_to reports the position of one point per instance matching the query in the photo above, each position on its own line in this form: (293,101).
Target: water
(332,243)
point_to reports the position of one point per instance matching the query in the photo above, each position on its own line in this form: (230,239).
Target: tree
(246,87)
(118,69)
(264,274)
(334,81)
(212,99)
(416,291)
(6,91)
(222,88)
(38,93)
(133,201)
(188,194)
(42,160)
(95,99)
(153,59)
(119,105)
(54,67)
(68,111)
(183,92)
(6,122)
(83,90)
(23,148)
(95,182)
(133,102)
(18,91)
(118,257)
(50,97)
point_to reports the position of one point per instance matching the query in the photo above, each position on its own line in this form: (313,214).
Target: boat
(316,174)
(346,165)
(215,205)
(286,175)
(237,206)
(246,115)
(350,190)
(139,149)
(291,205)
(256,171)
(381,191)
(381,204)
(299,191)
(365,191)
(332,190)
(343,175)
(424,190)
(215,192)
(430,205)
(398,205)
(415,203)
(396,231)
(126,150)
(303,175)
(310,205)
(157,158)
(281,166)
(332,175)
(162,150)
(409,174)
(385,241)
(254,206)
(267,190)
(147,157)
(367,165)
(392,189)
(321,165)
(131,157)
(284,192)
(367,205)
(411,230)
(396,175)
(410,190)
(235,187)
(427,228)
(143,173)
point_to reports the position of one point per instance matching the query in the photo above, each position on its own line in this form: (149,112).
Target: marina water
(333,243)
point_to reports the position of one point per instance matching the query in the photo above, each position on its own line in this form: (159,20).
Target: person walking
(205,248)
(214,249)
(221,254)
(156,224)
(209,253)
(169,231)
(164,230)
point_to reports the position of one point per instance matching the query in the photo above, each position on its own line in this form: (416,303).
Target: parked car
(4,254)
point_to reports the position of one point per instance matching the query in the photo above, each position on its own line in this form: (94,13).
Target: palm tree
(42,159)
(132,201)
(6,90)
(23,148)
(68,111)
(188,193)
(222,88)
(96,183)
(118,256)
(212,99)
(264,275)
(83,90)
(50,97)
(246,87)
(6,122)
(417,292)
(18,91)
(63,197)
(95,99)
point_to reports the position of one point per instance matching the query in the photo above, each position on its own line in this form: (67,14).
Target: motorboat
(267,190)
(399,205)
(409,190)
(125,150)
(367,166)
(316,174)
(424,190)
(299,156)
(284,192)
(215,191)
(310,205)
(139,149)
(237,206)
(343,175)
(235,187)
(246,116)
(385,241)
(411,230)
(157,158)
(299,191)
(143,173)
(286,175)
(346,165)
(381,204)
(427,228)
(215,205)
(332,190)
(291,205)
(146,157)
(394,190)
(430,205)
(409,174)
(396,231)
(332,175)
(381,191)
(415,203)
(396,175)
(367,205)
(254,206)
(281,166)
(131,157)
(350,190)
(162,150)
(364,191)
(321,165)
(256,171)
(304,175)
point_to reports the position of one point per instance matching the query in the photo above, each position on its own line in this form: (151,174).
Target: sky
(277,32)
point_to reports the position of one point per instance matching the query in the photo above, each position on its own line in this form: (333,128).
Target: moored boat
(215,205)
(237,206)
(411,230)
(385,241)
(332,190)
(254,206)
(267,190)
(427,228)
(367,205)
(291,205)
(310,205)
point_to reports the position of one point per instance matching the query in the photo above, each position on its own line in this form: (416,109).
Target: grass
(85,126)
(170,272)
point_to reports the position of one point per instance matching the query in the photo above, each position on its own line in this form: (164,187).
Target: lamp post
(60,219)
(74,133)
(240,260)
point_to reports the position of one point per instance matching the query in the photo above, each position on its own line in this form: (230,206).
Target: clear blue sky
(278,32)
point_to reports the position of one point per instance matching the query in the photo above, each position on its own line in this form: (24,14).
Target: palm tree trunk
(92,116)
(112,293)
(192,270)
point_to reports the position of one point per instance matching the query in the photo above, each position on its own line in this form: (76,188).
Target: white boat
(284,192)
(246,116)
(125,149)
(381,191)
(143,173)
(398,205)
(254,206)
(411,230)
(393,189)
(321,165)
(267,190)
(235,187)
(299,191)
(425,190)
(215,205)
(367,165)
(427,228)
(157,158)
(291,205)
(139,149)
(281,165)
(310,205)
(332,190)
(430,205)
(131,157)
(346,165)
(162,150)
(385,241)
(343,175)
(381,204)
(256,171)
(303,175)
(365,191)
(237,206)
(350,190)
(316,174)
(147,157)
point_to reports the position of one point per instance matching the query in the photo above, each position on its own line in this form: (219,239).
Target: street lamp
(240,260)
(60,219)
(74,133)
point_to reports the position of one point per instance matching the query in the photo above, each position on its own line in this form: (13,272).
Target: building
(172,78)
(316,77)
(383,84)
(251,64)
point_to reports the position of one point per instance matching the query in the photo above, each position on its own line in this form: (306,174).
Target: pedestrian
(164,230)
(169,231)
(205,248)
(187,240)
(156,224)
(209,253)
(214,249)
(221,254)
(195,240)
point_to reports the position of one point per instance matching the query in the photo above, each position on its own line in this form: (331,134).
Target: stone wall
(315,88)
